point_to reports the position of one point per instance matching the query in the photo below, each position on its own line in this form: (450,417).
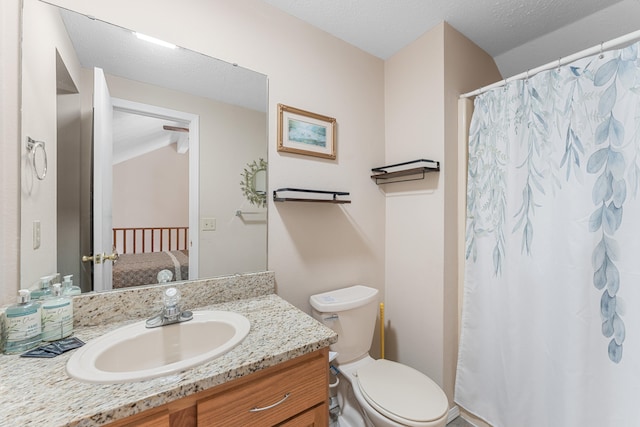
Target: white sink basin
(134,352)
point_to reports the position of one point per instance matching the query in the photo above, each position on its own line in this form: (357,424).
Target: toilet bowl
(387,393)
(392,394)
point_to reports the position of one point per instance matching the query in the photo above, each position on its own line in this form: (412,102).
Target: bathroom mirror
(184,128)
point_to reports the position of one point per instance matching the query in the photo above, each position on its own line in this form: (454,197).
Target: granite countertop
(38,392)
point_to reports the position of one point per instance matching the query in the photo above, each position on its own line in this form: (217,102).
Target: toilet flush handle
(332,317)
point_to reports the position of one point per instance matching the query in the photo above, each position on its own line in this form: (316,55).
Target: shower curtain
(550,331)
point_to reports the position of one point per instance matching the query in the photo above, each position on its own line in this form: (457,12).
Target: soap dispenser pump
(45,289)
(68,288)
(57,316)
(23,324)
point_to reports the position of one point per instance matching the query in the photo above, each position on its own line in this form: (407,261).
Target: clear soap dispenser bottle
(23,328)
(68,288)
(45,289)
(57,316)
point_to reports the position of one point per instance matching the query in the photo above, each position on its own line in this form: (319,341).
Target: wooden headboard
(134,240)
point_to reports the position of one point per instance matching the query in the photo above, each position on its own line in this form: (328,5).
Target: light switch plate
(208,224)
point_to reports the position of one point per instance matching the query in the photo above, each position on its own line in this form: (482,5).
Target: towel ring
(32,147)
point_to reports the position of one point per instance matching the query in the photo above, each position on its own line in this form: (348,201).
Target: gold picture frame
(303,132)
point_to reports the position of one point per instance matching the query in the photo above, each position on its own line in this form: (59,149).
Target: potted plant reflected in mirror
(254,183)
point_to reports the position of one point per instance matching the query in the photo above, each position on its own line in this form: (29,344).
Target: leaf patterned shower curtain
(551,315)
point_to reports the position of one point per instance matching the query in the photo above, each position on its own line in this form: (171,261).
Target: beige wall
(152,190)
(414,120)
(42,38)
(422,85)
(10,150)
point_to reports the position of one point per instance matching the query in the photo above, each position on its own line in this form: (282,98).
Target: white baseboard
(453,414)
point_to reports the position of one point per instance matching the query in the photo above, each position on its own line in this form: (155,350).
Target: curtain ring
(32,147)
(601,56)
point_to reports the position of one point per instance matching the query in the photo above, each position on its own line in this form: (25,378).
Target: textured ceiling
(120,53)
(500,27)
(518,34)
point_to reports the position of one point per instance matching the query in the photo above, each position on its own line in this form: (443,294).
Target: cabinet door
(269,400)
(155,420)
(314,417)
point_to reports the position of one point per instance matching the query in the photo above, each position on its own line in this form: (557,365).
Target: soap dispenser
(45,289)
(57,315)
(68,288)
(23,324)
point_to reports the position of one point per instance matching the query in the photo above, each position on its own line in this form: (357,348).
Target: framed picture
(302,132)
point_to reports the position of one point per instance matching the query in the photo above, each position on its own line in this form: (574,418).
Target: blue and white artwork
(307,133)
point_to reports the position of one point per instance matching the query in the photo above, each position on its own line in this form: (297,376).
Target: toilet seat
(401,393)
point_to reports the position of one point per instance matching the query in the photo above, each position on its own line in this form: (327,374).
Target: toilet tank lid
(343,299)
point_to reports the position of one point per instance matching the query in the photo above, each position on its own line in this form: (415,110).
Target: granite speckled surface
(37,392)
(144,301)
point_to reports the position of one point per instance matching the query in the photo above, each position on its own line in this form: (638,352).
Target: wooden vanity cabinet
(291,394)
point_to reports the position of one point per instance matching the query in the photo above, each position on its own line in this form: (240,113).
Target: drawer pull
(256,409)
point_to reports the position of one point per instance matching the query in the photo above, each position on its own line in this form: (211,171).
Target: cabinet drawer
(317,416)
(276,397)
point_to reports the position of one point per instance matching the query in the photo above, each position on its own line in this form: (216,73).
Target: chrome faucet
(171,312)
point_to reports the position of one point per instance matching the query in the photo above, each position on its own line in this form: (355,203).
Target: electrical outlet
(208,224)
(36,234)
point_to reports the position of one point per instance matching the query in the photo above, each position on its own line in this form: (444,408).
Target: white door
(102,181)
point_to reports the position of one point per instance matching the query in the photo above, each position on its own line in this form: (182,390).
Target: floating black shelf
(387,174)
(307,196)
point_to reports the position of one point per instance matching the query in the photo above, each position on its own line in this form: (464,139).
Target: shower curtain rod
(631,37)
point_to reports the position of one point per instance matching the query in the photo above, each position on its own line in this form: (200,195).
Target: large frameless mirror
(145,146)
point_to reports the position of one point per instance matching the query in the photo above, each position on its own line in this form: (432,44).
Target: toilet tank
(351,313)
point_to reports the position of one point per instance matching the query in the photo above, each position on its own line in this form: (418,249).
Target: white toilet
(387,394)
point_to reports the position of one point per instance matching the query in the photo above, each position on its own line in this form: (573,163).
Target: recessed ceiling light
(155,40)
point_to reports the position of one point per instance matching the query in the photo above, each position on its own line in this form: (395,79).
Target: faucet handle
(171,312)
(171,297)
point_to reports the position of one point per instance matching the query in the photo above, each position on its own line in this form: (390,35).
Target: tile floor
(459,422)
